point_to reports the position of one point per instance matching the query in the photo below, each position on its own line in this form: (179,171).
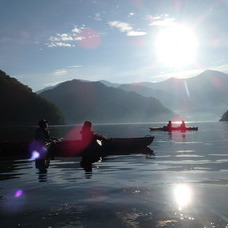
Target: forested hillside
(19,105)
(224,116)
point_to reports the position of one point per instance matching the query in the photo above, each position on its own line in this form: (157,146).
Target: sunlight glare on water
(183,195)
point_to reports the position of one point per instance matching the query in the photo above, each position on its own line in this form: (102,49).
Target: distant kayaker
(169,126)
(182,126)
(88,135)
(42,133)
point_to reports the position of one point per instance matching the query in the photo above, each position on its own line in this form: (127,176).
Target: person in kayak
(42,133)
(182,126)
(169,126)
(88,135)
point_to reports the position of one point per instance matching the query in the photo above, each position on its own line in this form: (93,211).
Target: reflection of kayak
(174,129)
(72,148)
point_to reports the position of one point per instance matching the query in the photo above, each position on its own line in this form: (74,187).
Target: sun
(176,46)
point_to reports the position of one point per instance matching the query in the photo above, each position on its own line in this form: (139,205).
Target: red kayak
(173,129)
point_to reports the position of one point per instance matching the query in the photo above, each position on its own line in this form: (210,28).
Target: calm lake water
(184,185)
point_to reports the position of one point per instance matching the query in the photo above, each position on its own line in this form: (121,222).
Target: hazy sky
(45,42)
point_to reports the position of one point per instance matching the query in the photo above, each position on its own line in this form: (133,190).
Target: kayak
(173,129)
(74,148)
(115,143)
(105,147)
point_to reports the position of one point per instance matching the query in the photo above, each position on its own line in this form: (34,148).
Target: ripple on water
(186,151)
(218,155)
(193,142)
(188,156)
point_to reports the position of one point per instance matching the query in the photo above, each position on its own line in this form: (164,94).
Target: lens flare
(90,39)
(37,150)
(34,156)
(183,195)
(18,193)
(186,88)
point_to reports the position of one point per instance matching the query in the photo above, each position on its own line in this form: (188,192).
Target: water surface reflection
(183,195)
(185,186)
(42,166)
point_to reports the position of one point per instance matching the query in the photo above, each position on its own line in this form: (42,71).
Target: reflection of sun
(176,46)
(183,195)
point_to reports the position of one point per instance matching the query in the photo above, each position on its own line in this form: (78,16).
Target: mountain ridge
(101,103)
(203,96)
(199,97)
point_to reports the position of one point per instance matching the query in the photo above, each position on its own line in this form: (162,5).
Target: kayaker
(88,135)
(42,133)
(182,126)
(169,126)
